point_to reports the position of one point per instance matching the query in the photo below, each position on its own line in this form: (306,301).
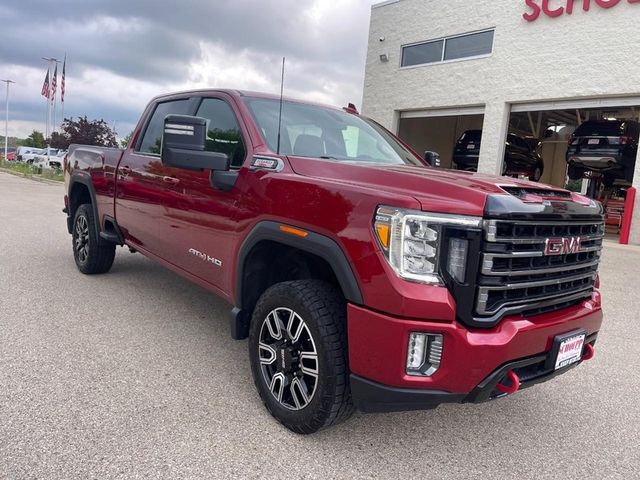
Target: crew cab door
(141,189)
(200,220)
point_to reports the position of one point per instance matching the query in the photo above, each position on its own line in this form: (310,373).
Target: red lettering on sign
(551,13)
(607,3)
(585,5)
(534,14)
(537,7)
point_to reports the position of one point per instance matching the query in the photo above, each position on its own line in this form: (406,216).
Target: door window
(223,131)
(152,139)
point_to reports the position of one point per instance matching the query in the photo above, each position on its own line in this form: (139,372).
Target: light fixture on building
(384,57)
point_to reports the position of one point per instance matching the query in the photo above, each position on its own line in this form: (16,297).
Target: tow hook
(515,384)
(590,352)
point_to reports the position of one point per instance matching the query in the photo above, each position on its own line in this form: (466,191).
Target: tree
(94,132)
(124,143)
(59,140)
(36,139)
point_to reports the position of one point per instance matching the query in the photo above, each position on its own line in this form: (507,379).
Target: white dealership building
(536,68)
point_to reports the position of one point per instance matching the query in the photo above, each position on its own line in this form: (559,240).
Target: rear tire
(92,254)
(298,353)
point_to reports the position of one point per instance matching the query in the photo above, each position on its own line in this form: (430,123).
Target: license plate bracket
(566,350)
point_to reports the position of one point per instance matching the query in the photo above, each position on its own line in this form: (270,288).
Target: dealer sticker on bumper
(570,351)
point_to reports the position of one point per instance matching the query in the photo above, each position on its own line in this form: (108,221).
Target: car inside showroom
(534,90)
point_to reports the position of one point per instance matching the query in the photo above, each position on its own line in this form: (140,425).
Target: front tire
(298,353)
(90,253)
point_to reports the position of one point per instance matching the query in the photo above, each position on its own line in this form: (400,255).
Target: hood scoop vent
(521,192)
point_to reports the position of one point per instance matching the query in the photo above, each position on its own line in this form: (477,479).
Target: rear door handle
(171,180)
(126,170)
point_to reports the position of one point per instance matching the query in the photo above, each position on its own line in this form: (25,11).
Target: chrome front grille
(518,275)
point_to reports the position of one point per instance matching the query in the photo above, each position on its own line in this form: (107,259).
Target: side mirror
(432,158)
(183,145)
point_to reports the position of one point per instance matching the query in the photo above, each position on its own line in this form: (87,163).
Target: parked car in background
(11,153)
(52,161)
(53,152)
(29,152)
(521,155)
(604,146)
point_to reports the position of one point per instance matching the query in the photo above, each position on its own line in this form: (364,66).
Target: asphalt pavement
(133,374)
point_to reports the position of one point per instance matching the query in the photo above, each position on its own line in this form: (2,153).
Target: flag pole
(6,124)
(51,61)
(62,86)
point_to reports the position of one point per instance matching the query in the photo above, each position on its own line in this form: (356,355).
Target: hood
(438,190)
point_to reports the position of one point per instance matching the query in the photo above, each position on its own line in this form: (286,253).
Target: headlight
(412,242)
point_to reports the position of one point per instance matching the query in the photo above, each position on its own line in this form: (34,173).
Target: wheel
(298,353)
(575,173)
(536,175)
(91,254)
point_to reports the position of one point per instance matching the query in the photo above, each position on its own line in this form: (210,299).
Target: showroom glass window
(448,49)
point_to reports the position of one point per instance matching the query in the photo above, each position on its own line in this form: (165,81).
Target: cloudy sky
(120,53)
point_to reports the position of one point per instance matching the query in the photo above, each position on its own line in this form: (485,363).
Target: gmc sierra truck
(361,276)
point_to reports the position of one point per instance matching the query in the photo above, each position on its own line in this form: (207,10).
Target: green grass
(29,171)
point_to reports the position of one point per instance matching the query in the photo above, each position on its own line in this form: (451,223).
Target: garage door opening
(438,131)
(589,148)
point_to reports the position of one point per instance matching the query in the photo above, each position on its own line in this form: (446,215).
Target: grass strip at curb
(54,179)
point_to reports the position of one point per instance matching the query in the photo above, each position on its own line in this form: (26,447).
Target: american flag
(62,81)
(54,84)
(45,86)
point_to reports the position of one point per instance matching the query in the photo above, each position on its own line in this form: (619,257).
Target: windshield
(321,132)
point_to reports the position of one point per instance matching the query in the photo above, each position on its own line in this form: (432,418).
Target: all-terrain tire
(91,253)
(322,308)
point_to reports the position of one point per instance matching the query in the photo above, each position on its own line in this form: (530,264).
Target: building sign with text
(556,8)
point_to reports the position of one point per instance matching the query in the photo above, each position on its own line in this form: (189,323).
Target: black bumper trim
(372,397)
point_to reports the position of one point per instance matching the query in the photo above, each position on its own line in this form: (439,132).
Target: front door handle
(171,180)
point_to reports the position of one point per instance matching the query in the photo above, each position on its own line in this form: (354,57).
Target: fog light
(424,353)
(457,261)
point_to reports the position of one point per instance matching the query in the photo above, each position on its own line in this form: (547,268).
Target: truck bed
(99,164)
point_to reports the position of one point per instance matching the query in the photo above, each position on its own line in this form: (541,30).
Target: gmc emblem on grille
(562,246)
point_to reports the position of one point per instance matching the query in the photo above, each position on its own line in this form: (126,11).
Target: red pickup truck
(362,277)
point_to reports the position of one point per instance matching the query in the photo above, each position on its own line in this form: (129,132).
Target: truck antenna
(280,114)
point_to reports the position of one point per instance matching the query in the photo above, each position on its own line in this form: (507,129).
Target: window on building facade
(450,48)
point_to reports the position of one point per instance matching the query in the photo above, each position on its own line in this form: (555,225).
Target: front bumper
(473,361)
